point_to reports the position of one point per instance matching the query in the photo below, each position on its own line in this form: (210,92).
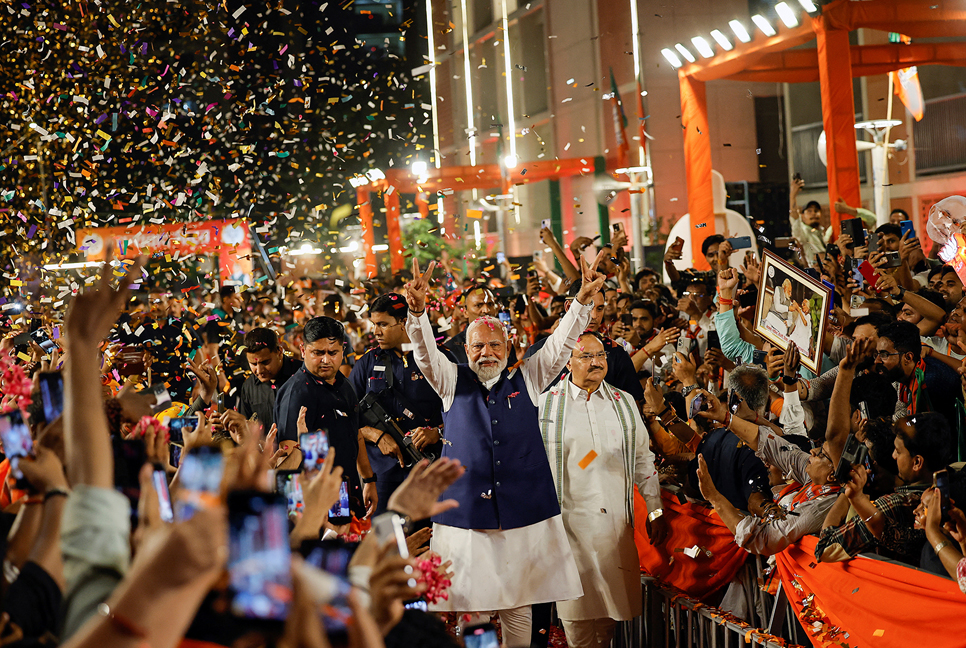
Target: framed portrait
(792,307)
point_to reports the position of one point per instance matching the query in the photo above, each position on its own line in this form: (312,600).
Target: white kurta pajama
(500,569)
(597,500)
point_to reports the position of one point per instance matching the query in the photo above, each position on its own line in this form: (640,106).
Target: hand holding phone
(314,446)
(17,444)
(259,558)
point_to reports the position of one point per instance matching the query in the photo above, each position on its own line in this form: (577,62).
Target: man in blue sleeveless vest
(507,540)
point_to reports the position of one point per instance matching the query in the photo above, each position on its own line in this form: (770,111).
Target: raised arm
(87,437)
(439,371)
(541,368)
(568,268)
(747,431)
(840,407)
(932,315)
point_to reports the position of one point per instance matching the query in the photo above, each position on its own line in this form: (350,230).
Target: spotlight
(671,57)
(685,52)
(787,14)
(740,31)
(763,25)
(702,46)
(722,40)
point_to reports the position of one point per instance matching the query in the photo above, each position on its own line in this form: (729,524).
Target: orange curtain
(838,116)
(391,198)
(697,162)
(363,199)
(716,562)
(874,603)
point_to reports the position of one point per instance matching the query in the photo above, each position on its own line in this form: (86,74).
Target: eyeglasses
(821,455)
(479,346)
(884,355)
(587,357)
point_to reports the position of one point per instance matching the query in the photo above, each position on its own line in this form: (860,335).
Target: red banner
(228,239)
(862,602)
(701,571)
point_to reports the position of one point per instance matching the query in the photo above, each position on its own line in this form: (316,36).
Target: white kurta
(500,569)
(594,504)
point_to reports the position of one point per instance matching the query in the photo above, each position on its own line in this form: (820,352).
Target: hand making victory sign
(591,280)
(416,289)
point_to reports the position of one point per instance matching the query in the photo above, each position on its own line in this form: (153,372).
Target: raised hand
(792,360)
(751,268)
(591,280)
(855,353)
(728,279)
(93,313)
(417,288)
(418,496)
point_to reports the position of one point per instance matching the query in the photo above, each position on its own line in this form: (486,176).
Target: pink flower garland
(14,382)
(434,578)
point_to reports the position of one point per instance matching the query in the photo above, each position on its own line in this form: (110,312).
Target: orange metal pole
(368,237)
(391,199)
(838,116)
(697,161)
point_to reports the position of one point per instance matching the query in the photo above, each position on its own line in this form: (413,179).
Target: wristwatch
(789,380)
(370,480)
(688,389)
(902,292)
(653,515)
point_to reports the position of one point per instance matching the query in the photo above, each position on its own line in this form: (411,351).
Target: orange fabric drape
(363,199)
(396,260)
(689,525)
(697,162)
(875,602)
(838,116)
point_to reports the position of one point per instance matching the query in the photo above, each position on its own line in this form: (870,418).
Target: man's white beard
(489,372)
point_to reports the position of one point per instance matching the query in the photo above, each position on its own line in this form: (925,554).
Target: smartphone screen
(863,411)
(734,402)
(314,446)
(333,558)
(161,396)
(17,442)
(259,558)
(940,480)
(52,394)
(481,636)
(500,257)
(43,340)
(177,427)
(199,478)
(696,404)
(340,513)
(505,318)
(287,483)
(160,480)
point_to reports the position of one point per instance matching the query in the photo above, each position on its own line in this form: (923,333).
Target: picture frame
(800,313)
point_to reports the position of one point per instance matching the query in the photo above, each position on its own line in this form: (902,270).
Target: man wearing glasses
(598,447)
(506,540)
(390,370)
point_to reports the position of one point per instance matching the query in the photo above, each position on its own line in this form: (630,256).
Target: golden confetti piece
(586,461)
(474,213)
(878,633)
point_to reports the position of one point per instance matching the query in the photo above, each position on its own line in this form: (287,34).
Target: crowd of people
(447,447)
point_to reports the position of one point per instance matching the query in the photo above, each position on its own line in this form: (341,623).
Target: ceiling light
(722,40)
(808,5)
(740,31)
(763,25)
(702,46)
(685,52)
(671,57)
(787,14)
(510,161)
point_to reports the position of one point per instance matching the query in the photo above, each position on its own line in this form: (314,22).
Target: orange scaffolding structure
(833,63)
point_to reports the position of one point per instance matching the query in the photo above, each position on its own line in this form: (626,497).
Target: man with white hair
(506,540)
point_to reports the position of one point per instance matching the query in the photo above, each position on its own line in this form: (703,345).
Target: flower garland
(434,578)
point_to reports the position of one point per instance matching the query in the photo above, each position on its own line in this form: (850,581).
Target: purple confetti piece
(31,231)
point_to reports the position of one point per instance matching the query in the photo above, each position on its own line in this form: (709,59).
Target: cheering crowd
(398,462)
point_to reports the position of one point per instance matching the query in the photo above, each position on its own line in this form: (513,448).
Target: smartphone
(856,303)
(892,260)
(500,257)
(868,272)
(259,558)
(389,526)
(907,228)
(21,339)
(685,345)
(627,320)
(748,297)
(174,455)
(940,479)
(332,557)
(177,427)
(713,341)
(863,411)
(784,242)
(797,176)
(616,227)
(505,318)
(481,636)
(545,223)
(160,480)
(130,455)
(697,404)
(873,241)
(853,453)
(314,446)
(734,402)
(43,340)
(537,254)
(856,273)
(162,398)
(17,444)
(853,227)
(340,513)
(52,394)
(740,242)
(200,481)
(287,483)
(759,357)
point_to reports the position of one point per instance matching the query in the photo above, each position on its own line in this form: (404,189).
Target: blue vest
(508,483)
